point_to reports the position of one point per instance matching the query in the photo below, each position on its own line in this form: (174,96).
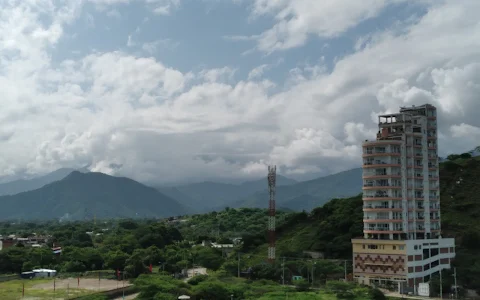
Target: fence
(111,294)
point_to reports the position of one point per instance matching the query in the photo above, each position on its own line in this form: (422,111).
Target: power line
(300,258)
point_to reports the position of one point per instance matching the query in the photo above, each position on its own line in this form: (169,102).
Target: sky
(171,91)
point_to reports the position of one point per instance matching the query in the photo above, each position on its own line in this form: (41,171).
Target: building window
(372,247)
(394,247)
(363,246)
(401,247)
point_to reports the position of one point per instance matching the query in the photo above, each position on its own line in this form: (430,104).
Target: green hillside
(330,228)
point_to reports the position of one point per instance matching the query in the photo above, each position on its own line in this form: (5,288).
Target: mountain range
(24,185)
(72,194)
(306,195)
(87,195)
(207,196)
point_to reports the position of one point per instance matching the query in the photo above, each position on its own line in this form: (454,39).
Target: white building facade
(401,193)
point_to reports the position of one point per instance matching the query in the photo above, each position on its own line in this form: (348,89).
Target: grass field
(43,288)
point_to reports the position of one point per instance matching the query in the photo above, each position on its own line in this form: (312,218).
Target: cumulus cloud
(297,19)
(257,72)
(159,7)
(135,116)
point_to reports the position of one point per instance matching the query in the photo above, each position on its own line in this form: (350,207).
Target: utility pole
(313,273)
(441,285)
(283,271)
(455,281)
(238,265)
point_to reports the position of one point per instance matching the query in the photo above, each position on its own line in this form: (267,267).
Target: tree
(324,268)
(195,280)
(134,265)
(164,296)
(73,266)
(264,271)
(453,157)
(342,290)
(115,260)
(211,290)
(376,294)
(149,286)
(208,257)
(302,285)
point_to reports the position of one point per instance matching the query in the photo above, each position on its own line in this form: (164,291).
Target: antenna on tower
(272,175)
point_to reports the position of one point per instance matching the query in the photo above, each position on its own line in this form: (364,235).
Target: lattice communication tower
(272,176)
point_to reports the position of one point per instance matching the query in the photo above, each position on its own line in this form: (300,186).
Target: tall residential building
(402,241)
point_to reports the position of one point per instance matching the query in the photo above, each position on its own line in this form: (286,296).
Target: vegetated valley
(131,246)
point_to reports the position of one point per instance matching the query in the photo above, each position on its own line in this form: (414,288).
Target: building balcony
(380,197)
(376,187)
(373,154)
(381,143)
(381,176)
(380,209)
(382,230)
(411,208)
(380,165)
(382,220)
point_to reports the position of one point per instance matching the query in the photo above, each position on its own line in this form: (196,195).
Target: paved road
(398,295)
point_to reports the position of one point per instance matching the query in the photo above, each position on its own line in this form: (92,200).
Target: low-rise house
(44,273)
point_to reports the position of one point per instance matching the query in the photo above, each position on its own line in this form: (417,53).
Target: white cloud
(113,13)
(152,47)
(297,19)
(257,72)
(163,7)
(134,116)
(224,74)
(159,7)
(130,42)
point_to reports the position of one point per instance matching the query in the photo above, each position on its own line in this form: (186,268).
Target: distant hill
(23,185)
(80,196)
(208,196)
(192,206)
(309,194)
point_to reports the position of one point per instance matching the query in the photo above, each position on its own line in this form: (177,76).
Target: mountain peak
(80,195)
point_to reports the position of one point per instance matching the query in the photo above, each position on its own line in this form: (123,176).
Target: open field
(37,289)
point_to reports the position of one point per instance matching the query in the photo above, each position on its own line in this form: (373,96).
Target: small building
(296,278)
(314,254)
(44,273)
(27,275)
